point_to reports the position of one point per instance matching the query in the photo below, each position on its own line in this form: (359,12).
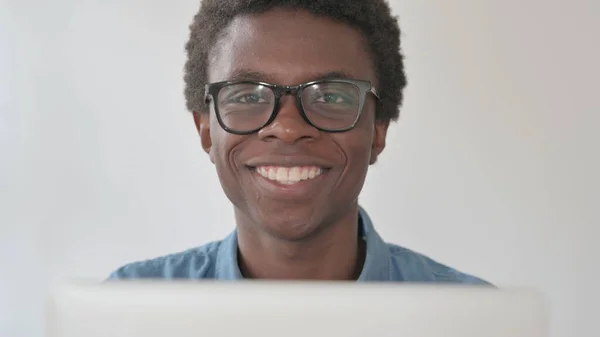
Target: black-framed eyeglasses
(331,105)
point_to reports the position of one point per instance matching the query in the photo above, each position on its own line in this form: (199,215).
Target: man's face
(288,48)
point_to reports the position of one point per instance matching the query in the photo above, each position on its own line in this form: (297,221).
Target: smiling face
(289,179)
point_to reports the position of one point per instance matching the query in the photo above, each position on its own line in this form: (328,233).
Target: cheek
(359,143)
(219,149)
(223,152)
(359,153)
(222,144)
(357,149)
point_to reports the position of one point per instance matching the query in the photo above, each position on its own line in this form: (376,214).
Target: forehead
(289,47)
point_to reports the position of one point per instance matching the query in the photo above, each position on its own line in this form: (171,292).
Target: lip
(305,189)
(289,161)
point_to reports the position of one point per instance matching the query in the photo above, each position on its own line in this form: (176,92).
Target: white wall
(492,169)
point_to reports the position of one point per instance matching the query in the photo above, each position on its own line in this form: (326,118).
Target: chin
(293,231)
(290,226)
(284,221)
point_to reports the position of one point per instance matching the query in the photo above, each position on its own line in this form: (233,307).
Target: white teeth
(304,174)
(263,171)
(271,173)
(282,174)
(313,173)
(294,174)
(289,175)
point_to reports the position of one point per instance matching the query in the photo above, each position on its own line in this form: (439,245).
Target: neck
(335,253)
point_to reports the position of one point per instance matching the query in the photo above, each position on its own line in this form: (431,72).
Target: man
(292,100)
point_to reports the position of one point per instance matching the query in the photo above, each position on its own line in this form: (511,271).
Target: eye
(249,98)
(245,94)
(330,97)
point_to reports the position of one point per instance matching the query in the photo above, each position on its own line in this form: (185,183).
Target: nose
(289,126)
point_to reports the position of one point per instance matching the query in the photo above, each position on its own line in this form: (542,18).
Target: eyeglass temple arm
(374,92)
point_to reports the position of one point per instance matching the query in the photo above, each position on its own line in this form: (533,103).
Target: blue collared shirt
(218,260)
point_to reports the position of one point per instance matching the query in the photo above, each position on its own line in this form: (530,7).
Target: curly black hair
(373,18)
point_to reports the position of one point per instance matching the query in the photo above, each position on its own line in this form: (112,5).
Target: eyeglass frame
(212,90)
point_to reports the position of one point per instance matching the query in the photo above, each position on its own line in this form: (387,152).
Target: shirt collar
(376,267)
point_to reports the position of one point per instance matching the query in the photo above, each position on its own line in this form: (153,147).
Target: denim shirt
(218,260)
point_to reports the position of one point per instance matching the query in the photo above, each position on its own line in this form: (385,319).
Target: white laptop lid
(273,309)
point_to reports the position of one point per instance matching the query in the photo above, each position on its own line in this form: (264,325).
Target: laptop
(291,309)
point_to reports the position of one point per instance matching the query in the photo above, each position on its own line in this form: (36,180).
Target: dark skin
(292,232)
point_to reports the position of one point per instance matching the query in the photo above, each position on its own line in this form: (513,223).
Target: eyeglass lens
(328,105)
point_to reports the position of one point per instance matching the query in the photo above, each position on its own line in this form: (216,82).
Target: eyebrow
(249,75)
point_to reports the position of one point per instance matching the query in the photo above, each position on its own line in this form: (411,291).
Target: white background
(492,169)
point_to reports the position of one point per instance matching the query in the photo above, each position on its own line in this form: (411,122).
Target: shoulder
(411,266)
(194,263)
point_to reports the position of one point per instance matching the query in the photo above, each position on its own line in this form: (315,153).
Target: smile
(289,175)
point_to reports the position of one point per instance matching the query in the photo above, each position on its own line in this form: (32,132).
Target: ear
(379,138)
(202,121)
